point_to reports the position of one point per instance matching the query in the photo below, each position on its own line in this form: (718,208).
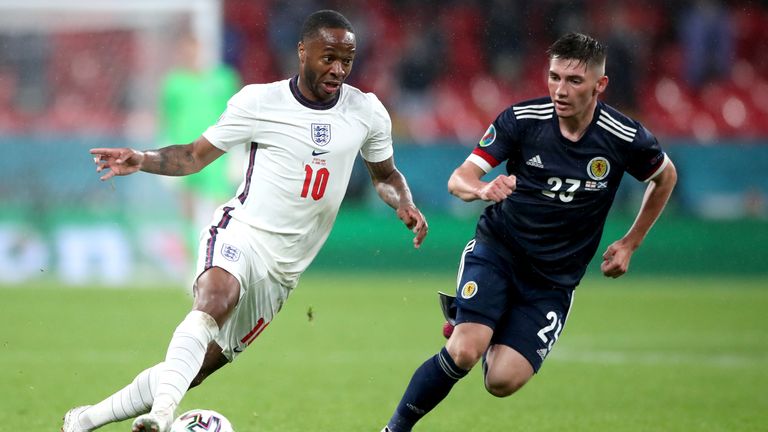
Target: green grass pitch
(638,354)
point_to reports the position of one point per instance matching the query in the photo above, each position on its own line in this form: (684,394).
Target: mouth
(331,87)
(559,104)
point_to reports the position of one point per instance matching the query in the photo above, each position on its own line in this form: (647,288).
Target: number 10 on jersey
(317,180)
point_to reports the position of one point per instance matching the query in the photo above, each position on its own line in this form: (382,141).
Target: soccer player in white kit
(301,136)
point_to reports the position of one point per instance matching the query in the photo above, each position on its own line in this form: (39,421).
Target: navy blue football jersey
(555,217)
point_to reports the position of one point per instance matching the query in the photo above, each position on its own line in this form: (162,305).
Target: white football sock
(183,360)
(134,399)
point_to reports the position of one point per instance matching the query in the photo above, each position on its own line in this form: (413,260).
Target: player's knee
(468,343)
(504,387)
(465,355)
(503,382)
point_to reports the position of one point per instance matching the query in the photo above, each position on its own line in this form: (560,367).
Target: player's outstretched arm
(617,256)
(175,160)
(392,188)
(466,183)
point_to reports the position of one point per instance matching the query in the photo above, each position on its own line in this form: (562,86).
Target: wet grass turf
(638,354)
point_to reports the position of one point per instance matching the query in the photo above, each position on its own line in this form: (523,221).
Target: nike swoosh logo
(237,349)
(319,152)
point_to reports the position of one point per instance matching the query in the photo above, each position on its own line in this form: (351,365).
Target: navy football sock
(429,385)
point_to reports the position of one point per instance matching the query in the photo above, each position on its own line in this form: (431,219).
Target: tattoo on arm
(390,183)
(380,171)
(175,160)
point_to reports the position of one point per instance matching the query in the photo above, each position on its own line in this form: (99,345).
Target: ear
(302,52)
(601,85)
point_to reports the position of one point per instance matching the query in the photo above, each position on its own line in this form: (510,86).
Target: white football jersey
(299,158)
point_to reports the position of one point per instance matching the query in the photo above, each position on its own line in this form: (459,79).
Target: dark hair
(324,19)
(577,46)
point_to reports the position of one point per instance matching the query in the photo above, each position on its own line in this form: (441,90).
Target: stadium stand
(434,62)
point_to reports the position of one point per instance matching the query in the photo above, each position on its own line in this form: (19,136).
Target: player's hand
(119,161)
(498,189)
(616,259)
(415,221)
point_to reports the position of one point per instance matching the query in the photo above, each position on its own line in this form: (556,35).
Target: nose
(560,90)
(338,69)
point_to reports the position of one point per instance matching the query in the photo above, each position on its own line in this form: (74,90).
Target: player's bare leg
(506,370)
(468,343)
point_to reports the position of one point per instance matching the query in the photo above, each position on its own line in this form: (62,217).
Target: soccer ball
(199,420)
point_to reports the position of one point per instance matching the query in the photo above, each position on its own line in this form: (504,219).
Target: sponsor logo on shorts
(542,353)
(469,290)
(230,252)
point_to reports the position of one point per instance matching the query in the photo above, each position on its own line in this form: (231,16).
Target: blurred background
(147,73)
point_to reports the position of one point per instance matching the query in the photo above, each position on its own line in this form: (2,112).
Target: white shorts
(230,245)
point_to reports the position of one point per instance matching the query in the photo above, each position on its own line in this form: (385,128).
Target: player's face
(574,87)
(324,63)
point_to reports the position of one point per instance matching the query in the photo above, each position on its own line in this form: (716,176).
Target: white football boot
(71,422)
(157,421)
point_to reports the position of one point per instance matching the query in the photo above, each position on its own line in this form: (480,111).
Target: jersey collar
(588,131)
(294,84)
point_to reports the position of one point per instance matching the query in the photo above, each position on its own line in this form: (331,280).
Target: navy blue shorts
(524,312)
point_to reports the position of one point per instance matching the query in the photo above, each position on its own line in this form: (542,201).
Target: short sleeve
(236,124)
(646,159)
(378,145)
(496,144)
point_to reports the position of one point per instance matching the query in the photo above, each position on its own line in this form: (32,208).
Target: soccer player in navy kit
(565,156)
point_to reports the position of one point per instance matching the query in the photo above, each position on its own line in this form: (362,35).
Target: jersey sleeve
(235,126)
(378,145)
(646,158)
(496,144)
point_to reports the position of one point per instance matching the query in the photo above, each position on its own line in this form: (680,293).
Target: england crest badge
(230,252)
(321,133)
